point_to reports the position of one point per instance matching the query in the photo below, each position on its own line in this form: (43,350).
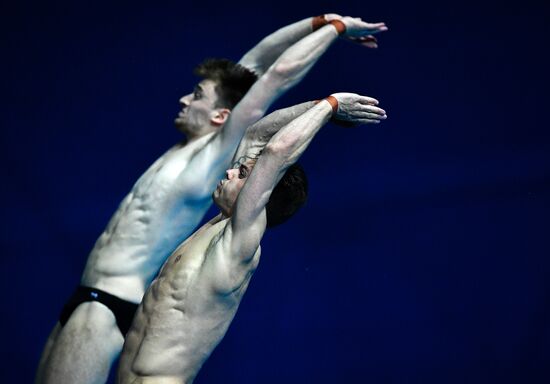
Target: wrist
(339,25)
(333,103)
(318,22)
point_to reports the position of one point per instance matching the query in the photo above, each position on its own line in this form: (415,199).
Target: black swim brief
(123,310)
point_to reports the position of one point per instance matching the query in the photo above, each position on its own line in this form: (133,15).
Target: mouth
(181,114)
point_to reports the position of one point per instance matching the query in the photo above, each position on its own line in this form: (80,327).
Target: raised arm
(268,50)
(248,220)
(287,71)
(263,54)
(258,134)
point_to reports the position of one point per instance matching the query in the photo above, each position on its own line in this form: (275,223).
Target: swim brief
(123,310)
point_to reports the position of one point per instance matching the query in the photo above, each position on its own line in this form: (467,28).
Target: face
(198,114)
(228,189)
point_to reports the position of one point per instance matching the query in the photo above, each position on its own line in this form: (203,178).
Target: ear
(220,116)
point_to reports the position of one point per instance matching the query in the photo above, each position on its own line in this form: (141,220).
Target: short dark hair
(287,197)
(232,79)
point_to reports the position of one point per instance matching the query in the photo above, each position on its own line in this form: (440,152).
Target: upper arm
(248,220)
(247,224)
(281,76)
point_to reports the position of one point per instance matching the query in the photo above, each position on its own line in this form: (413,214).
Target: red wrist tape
(333,103)
(340,26)
(318,22)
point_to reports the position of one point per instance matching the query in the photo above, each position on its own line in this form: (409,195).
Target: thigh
(85,347)
(46,352)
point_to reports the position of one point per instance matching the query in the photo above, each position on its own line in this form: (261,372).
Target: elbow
(283,68)
(286,72)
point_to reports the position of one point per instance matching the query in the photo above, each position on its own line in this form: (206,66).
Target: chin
(180,126)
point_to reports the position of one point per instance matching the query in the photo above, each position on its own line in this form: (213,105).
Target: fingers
(363,39)
(365,121)
(367,100)
(379,26)
(373,110)
(368,41)
(372,28)
(367,113)
(370,116)
(370,45)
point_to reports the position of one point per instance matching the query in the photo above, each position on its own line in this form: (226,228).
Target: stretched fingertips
(368,41)
(368,100)
(369,121)
(373,109)
(381,26)
(373,116)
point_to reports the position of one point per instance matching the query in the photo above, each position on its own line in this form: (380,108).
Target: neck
(192,137)
(195,134)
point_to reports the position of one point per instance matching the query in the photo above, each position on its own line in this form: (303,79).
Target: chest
(189,258)
(163,174)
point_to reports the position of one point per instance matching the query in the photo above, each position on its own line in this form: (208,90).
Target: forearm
(260,58)
(283,149)
(286,72)
(290,142)
(296,61)
(259,134)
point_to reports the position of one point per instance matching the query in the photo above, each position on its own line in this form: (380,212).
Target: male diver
(188,308)
(171,197)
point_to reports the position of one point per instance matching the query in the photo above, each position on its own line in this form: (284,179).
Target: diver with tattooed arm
(188,308)
(171,197)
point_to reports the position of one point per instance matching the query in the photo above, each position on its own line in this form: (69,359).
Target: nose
(184,100)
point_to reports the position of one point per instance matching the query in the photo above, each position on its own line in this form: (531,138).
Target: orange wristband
(340,26)
(333,103)
(318,22)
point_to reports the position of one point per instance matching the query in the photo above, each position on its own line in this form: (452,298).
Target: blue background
(422,254)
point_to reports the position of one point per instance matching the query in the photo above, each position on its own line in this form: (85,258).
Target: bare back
(186,310)
(150,222)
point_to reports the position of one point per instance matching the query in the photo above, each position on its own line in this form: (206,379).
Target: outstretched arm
(258,134)
(248,221)
(263,54)
(286,72)
(266,52)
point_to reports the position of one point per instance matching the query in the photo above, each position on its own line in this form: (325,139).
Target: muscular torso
(151,221)
(186,310)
